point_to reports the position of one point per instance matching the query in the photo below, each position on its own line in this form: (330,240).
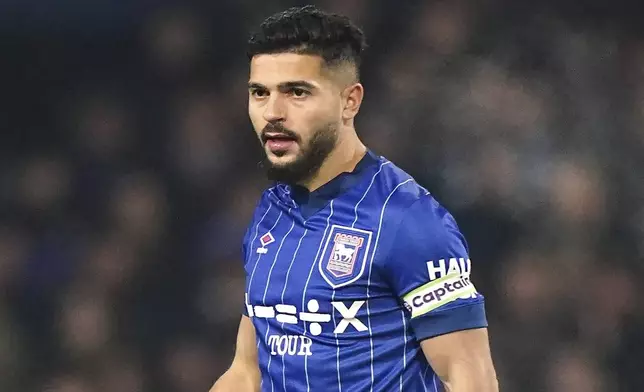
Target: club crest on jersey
(345,255)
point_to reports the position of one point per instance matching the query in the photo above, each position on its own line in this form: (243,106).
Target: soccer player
(356,278)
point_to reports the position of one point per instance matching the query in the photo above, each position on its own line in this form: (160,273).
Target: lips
(278,143)
(279,137)
(279,146)
(266,137)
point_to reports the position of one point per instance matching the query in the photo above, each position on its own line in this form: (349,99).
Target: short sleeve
(429,269)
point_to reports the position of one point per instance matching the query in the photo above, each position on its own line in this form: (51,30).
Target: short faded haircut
(308,30)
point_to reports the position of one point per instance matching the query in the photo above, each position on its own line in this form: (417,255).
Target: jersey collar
(318,199)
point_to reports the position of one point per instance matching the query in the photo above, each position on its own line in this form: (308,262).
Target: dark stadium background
(129,172)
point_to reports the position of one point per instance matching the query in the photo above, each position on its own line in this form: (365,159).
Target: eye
(299,92)
(258,93)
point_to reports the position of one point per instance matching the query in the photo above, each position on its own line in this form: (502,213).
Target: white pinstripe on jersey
(248,253)
(268,282)
(423,377)
(353,224)
(427,368)
(259,255)
(256,232)
(306,370)
(288,273)
(250,283)
(402,313)
(375,248)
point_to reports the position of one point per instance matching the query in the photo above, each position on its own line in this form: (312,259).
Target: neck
(344,158)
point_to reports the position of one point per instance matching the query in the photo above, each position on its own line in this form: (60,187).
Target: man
(357,279)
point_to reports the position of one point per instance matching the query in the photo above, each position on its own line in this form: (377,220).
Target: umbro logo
(265,240)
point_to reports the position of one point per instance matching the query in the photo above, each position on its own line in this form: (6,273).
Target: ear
(352,99)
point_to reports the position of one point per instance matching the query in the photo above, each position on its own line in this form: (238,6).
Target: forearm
(470,377)
(237,380)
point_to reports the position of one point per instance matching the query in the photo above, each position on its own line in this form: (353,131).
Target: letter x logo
(349,316)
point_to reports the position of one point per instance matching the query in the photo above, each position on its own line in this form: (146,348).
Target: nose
(275,109)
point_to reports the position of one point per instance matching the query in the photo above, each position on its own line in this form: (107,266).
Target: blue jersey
(343,283)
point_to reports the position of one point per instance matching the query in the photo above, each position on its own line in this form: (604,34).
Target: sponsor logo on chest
(312,319)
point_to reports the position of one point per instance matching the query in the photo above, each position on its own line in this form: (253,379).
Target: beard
(310,158)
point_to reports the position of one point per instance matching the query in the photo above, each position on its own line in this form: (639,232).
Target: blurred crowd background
(129,171)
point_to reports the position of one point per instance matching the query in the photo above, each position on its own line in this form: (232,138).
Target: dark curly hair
(308,30)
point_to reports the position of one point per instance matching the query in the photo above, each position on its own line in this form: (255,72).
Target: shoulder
(426,218)
(406,200)
(262,206)
(397,188)
(427,230)
(261,210)
(413,216)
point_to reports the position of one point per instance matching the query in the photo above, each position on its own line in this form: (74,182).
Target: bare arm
(243,375)
(462,360)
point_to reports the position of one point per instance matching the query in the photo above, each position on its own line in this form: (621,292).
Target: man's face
(296,110)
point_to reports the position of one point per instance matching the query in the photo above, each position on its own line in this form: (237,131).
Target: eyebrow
(284,85)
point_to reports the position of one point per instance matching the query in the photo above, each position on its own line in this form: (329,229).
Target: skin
(243,374)
(299,92)
(303,95)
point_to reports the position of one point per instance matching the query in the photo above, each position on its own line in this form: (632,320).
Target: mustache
(277,129)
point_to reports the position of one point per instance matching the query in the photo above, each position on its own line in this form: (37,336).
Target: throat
(336,164)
